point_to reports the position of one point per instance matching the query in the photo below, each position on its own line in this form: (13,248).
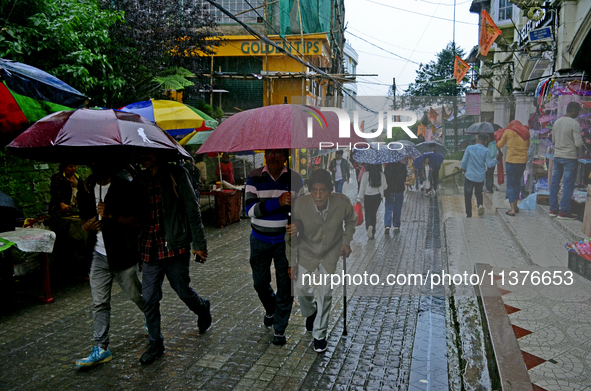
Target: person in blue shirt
(474,164)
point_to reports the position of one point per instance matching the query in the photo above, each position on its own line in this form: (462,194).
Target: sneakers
(204,319)
(279,339)
(320,345)
(310,321)
(155,350)
(370,232)
(396,230)
(566,216)
(268,320)
(146,330)
(480,210)
(553,213)
(387,231)
(97,356)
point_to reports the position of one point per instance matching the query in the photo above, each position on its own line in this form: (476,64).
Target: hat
(321,176)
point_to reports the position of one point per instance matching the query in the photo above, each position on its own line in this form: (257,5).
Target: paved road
(386,324)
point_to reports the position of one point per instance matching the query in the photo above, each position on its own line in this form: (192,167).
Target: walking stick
(345,297)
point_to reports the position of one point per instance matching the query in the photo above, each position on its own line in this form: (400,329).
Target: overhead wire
(418,13)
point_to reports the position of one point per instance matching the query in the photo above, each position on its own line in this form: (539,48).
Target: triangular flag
(460,69)
(488,33)
(422,130)
(444,115)
(432,115)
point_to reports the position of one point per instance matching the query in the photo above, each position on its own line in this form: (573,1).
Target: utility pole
(456,86)
(394,93)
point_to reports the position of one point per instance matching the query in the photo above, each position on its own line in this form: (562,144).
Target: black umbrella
(426,147)
(482,127)
(6,201)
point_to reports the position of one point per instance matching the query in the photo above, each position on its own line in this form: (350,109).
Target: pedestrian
(341,171)
(435,164)
(566,134)
(427,176)
(270,191)
(474,163)
(107,204)
(227,169)
(63,189)
(490,171)
(395,174)
(371,192)
(516,137)
(171,232)
(356,166)
(324,223)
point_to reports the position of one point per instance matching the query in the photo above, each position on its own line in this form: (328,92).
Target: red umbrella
(85,136)
(277,127)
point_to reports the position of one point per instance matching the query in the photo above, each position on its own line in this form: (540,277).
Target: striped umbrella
(28,94)
(176,118)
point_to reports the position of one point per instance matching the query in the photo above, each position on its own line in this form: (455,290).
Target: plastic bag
(359,212)
(529,203)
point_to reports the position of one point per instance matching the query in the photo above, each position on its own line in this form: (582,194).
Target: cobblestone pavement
(395,339)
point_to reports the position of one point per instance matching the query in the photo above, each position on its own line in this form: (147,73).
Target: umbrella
(434,158)
(174,117)
(28,94)
(84,136)
(377,154)
(409,149)
(482,127)
(196,139)
(7,201)
(426,147)
(277,127)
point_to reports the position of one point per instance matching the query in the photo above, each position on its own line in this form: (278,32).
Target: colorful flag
(422,130)
(444,115)
(460,69)
(488,33)
(432,115)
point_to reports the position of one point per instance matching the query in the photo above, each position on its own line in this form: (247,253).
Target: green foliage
(218,114)
(207,109)
(440,69)
(67,38)
(174,78)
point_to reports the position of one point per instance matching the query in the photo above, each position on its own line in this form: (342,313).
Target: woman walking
(371,191)
(395,174)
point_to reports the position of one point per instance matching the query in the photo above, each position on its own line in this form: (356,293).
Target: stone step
(540,242)
(572,229)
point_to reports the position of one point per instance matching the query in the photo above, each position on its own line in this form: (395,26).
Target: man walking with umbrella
(107,204)
(319,218)
(270,191)
(171,229)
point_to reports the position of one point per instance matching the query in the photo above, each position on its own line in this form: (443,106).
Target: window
(505,10)
(240,8)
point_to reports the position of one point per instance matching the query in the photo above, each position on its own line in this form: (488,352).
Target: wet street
(396,337)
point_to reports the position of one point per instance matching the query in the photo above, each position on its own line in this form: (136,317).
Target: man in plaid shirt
(171,230)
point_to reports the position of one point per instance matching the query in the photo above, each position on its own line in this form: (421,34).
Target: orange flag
(460,69)
(432,115)
(488,33)
(422,130)
(444,115)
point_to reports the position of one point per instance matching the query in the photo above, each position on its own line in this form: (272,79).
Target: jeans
(371,203)
(176,270)
(514,174)
(338,186)
(101,281)
(393,207)
(469,188)
(568,168)
(490,176)
(435,176)
(261,256)
(309,305)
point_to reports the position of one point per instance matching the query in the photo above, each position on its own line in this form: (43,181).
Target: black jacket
(395,174)
(345,169)
(121,241)
(61,191)
(182,215)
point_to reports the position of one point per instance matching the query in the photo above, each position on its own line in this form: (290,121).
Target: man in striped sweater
(270,191)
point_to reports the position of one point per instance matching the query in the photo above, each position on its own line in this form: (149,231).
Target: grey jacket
(320,241)
(182,215)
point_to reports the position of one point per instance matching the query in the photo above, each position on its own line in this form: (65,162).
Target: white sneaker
(370,232)
(480,210)
(396,230)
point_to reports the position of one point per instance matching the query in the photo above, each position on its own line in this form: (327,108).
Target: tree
(67,38)
(159,35)
(440,69)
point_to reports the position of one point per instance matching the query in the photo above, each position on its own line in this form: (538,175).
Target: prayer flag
(460,69)
(488,33)
(432,115)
